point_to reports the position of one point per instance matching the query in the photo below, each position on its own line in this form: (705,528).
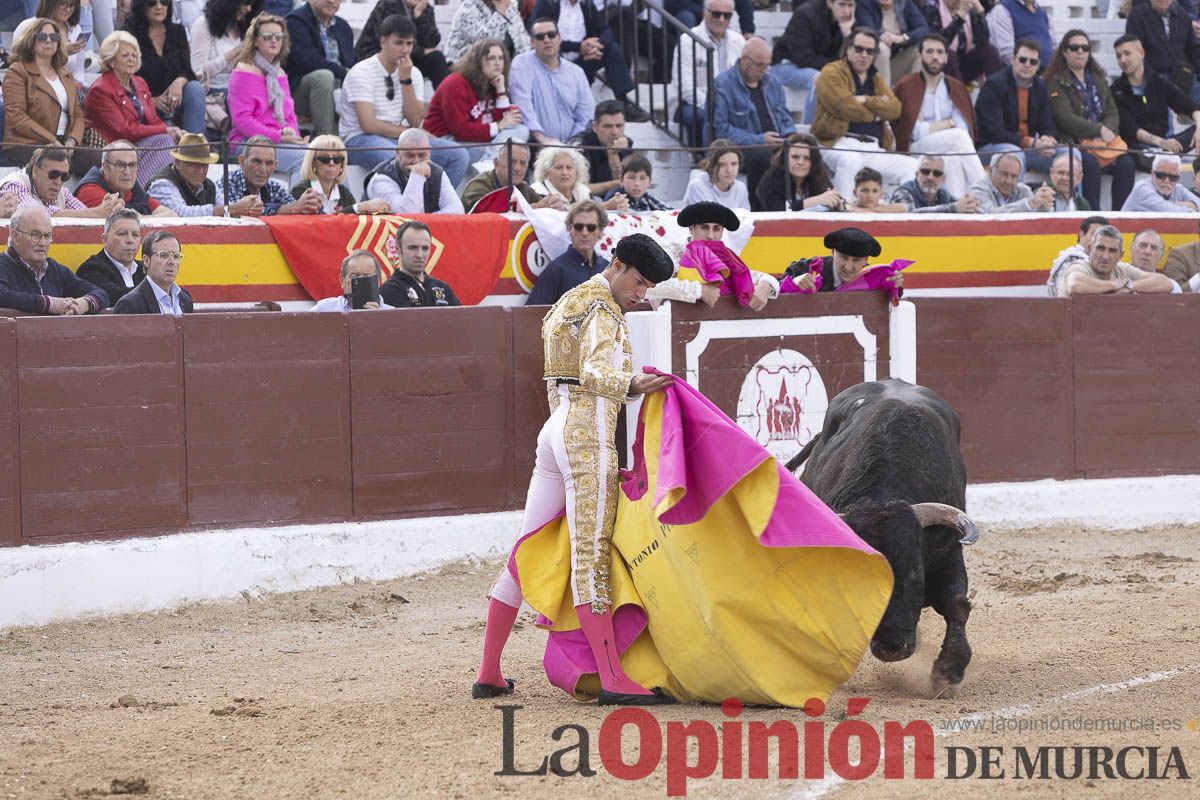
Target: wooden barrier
(127,426)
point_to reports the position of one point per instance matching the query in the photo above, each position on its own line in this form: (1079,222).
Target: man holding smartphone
(359,269)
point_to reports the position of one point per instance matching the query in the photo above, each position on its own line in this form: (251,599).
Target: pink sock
(598,628)
(500,619)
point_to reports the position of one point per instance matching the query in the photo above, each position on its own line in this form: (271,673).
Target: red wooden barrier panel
(101,426)
(10,450)
(268,422)
(1005,366)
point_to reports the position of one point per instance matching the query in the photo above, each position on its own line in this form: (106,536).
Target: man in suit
(31,281)
(115,269)
(158,293)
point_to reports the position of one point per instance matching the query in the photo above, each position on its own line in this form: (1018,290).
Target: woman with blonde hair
(41,103)
(260,100)
(323,169)
(563,171)
(119,106)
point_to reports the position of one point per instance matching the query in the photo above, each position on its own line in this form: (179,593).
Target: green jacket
(1066,107)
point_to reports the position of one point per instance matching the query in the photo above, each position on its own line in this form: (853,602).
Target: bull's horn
(942,514)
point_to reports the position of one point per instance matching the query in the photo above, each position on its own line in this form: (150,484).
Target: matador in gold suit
(589,377)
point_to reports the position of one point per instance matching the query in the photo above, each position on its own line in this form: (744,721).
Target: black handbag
(1183,76)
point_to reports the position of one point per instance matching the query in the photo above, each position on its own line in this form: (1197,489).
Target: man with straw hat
(185,188)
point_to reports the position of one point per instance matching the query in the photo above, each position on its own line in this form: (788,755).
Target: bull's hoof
(890,654)
(941,688)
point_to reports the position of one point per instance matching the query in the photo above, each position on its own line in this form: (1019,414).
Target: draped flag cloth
(716,263)
(729,577)
(468,250)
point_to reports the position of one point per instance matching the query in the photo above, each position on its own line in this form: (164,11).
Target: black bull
(887,460)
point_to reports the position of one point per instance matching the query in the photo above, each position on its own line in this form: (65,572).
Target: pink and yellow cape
(729,577)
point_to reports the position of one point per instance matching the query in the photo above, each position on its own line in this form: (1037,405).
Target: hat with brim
(193,148)
(853,242)
(708,211)
(639,251)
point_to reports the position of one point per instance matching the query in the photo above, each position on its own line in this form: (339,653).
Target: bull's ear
(941,514)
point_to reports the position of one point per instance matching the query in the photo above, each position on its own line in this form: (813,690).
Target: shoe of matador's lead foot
(658,698)
(486,691)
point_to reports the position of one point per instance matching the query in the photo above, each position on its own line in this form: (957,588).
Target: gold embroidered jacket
(586,339)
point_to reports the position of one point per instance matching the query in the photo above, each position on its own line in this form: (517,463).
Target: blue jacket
(562,275)
(912,22)
(996,110)
(735,117)
(20,290)
(308,54)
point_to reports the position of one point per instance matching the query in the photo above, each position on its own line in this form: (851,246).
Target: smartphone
(83,37)
(364,289)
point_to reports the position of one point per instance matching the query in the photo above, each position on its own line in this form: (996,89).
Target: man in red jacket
(936,116)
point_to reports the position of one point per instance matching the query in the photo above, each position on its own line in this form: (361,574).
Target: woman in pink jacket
(471,105)
(260,101)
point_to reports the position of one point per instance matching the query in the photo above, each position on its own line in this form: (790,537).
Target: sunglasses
(339,160)
(580,227)
(62,175)
(271,37)
(722,14)
(1167,176)
(1079,48)
(163,3)
(1033,62)
(391,87)
(47,37)
(927,171)
(546,35)
(864,51)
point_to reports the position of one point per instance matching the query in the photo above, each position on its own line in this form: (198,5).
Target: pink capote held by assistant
(786,595)
(717,264)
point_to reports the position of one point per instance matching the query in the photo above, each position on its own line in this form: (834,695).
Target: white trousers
(851,155)
(961,170)
(551,489)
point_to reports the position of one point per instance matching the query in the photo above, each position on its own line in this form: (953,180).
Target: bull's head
(896,529)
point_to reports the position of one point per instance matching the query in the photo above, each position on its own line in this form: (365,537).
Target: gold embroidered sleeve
(601,357)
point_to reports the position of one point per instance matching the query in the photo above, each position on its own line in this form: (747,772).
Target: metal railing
(635,21)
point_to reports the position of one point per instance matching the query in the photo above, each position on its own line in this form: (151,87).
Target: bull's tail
(803,455)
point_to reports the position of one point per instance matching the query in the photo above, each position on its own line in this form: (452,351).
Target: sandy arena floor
(361,691)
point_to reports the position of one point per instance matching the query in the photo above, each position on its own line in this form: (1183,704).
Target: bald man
(751,109)
(411,183)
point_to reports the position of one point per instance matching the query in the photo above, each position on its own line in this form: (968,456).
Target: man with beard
(936,116)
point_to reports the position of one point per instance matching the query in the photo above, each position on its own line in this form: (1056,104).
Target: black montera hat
(853,242)
(708,211)
(646,256)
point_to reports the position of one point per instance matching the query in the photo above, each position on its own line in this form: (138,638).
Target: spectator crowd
(913,106)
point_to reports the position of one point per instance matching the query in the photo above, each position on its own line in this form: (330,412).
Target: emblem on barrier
(782,402)
(377,233)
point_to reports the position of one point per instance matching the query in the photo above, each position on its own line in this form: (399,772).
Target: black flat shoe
(484,691)
(659,698)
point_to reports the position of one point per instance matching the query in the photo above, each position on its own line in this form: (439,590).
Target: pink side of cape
(716,263)
(876,277)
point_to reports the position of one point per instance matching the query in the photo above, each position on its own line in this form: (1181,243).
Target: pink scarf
(967,34)
(716,263)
